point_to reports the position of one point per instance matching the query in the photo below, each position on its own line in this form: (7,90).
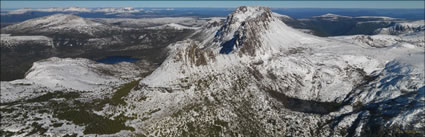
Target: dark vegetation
(37,129)
(306,106)
(50,95)
(123,92)
(67,105)
(16,61)
(94,123)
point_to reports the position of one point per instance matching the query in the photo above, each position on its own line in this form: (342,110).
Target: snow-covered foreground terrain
(57,74)
(249,76)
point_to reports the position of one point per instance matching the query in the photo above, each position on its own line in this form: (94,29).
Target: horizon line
(213,7)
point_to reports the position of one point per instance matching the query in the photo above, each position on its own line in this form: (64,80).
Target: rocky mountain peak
(241,26)
(246,13)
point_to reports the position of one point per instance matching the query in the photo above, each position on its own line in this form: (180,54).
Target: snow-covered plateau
(77,9)
(59,23)
(250,76)
(403,28)
(9,41)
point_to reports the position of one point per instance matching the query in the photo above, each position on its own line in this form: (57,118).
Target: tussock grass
(123,91)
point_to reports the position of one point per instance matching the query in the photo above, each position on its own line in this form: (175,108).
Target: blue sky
(215,4)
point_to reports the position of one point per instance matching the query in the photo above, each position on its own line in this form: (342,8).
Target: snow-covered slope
(118,10)
(68,9)
(173,26)
(151,22)
(332,17)
(415,39)
(335,17)
(403,28)
(58,23)
(282,17)
(55,74)
(8,41)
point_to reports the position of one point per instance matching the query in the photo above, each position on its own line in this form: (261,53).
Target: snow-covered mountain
(403,28)
(118,10)
(252,35)
(415,39)
(78,9)
(173,26)
(250,76)
(337,25)
(154,22)
(332,17)
(60,24)
(258,68)
(68,9)
(282,17)
(335,17)
(8,41)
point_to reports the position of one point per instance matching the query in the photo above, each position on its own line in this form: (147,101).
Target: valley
(100,41)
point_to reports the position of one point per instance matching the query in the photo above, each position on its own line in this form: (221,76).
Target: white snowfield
(7,40)
(256,76)
(282,16)
(403,28)
(69,9)
(413,24)
(330,16)
(151,22)
(57,74)
(118,10)
(173,26)
(60,22)
(78,9)
(414,39)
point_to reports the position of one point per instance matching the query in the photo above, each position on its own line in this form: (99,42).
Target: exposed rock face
(243,27)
